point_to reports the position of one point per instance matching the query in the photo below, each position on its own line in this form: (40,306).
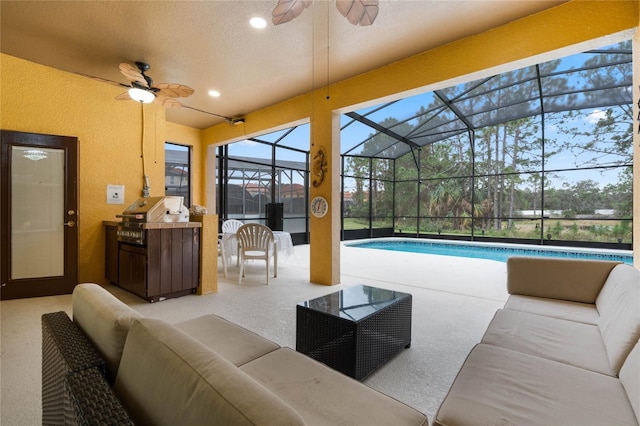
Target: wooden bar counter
(166,265)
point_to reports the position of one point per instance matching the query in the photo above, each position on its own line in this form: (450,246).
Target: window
(177,171)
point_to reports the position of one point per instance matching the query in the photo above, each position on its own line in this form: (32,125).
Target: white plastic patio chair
(256,241)
(231,226)
(223,256)
(229,229)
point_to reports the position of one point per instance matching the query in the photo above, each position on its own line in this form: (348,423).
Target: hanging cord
(145,187)
(327,86)
(155,137)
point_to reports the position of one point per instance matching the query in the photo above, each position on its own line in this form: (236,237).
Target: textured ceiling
(210,45)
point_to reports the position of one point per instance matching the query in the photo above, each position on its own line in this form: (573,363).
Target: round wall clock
(319,206)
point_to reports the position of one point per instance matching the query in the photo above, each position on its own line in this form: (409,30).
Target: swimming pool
(491,251)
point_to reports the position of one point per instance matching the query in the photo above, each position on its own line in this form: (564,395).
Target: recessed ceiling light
(214,93)
(258,22)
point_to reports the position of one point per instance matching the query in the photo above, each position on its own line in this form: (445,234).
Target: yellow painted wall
(557,28)
(39,99)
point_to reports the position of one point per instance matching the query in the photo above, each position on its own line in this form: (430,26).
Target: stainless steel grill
(149,210)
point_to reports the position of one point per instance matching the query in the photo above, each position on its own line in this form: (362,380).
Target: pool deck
(462,276)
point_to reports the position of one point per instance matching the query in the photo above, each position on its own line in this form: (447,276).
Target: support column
(325,182)
(208,253)
(635,48)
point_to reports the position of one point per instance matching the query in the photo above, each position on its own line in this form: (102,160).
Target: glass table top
(354,303)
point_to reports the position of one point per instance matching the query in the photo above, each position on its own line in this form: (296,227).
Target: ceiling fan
(141,88)
(357,12)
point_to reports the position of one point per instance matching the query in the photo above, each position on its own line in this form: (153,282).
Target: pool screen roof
(595,79)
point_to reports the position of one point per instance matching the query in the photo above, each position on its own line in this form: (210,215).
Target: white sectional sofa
(112,366)
(564,350)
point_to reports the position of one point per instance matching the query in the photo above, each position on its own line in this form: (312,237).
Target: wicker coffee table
(354,330)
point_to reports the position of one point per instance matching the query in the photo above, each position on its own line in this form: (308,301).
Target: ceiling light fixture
(214,93)
(35,154)
(141,95)
(258,22)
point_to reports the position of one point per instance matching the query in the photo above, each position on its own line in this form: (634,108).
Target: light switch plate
(115,194)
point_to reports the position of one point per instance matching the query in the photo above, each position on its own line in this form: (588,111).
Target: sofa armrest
(64,349)
(74,389)
(91,401)
(563,279)
(105,320)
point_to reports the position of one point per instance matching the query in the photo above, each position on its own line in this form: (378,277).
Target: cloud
(596,116)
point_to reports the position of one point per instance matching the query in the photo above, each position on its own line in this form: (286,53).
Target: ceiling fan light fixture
(141,95)
(258,22)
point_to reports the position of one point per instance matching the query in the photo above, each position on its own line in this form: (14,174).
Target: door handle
(70,224)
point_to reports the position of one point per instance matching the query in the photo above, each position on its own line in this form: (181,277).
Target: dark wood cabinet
(173,261)
(168,265)
(133,269)
(111,253)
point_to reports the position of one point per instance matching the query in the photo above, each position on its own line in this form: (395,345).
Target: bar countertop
(158,225)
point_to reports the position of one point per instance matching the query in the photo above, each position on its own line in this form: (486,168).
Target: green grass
(567,230)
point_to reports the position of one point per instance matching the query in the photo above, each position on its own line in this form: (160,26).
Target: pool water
(492,251)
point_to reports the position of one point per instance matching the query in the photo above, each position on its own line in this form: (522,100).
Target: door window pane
(37,209)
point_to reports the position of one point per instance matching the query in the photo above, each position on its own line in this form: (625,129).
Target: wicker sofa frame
(75,390)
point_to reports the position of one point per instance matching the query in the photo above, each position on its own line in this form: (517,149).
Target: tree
(364,167)
(601,125)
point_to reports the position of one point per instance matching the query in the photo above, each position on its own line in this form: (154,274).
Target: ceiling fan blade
(358,12)
(286,10)
(167,102)
(133,74)
(174,90)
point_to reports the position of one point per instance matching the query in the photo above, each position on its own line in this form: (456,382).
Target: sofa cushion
(168,378)
(234,343)
(630,378)
(564,341)
(501,386)
(105,320)
(324,396)
(564,279)
(619,306)
(572,311)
